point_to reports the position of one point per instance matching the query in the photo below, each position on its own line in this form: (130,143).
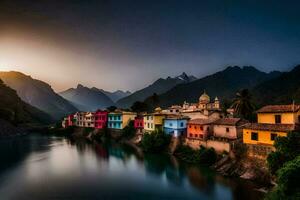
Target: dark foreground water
(41,167)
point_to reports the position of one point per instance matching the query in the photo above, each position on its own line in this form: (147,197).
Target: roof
(270,127)
(201,121)
(176,117)
(279,108)
(230,121)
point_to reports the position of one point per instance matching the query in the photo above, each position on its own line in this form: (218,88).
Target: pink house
(70,120)
(139,122)
(100,119)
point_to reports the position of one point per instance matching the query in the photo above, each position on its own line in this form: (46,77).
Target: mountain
(223,84)
(16,111)
(38,94)
(159,86)
(283,89)
(87,99)
(114,96)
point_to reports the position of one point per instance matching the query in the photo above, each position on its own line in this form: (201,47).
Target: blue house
(114,120)
(175,125)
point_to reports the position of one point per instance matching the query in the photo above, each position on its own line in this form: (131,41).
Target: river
(38,167)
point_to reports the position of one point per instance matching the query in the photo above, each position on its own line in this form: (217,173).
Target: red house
(100,119)
(139,122)
(70,120)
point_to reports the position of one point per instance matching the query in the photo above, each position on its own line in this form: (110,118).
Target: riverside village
(199,132)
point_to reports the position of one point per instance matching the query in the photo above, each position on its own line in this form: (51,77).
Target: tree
(111,108)
(242,104)
(139,106)
(288,181)
(287,148)
(129,130)
(156,141)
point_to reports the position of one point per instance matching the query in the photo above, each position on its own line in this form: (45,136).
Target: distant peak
(80,86)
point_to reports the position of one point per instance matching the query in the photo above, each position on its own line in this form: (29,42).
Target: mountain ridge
(159,86)
(85,98)
(37,93)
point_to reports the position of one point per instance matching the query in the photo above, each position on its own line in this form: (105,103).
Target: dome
(158,109)
(204,98)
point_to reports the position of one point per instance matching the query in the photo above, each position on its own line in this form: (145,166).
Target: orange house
(199,129)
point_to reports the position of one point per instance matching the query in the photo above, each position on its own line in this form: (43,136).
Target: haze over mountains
(37,93)
(114,96)
(87,99)
(159,86)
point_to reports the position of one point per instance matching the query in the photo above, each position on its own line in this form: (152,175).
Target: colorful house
(119,119)
(139,124)
(175,125)
(115,120)
(89,120)
(80,119)
(153,121)
(273,121)
(100,119)
(199,129)
(228,128)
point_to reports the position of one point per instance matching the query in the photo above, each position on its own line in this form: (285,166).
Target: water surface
(42,167)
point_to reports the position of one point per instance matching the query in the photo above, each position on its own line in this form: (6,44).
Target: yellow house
(273,121)
(153,121)
(127,117)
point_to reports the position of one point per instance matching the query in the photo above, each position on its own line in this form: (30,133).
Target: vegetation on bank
(155,142)
(129,131)
(284,163)
(206,156)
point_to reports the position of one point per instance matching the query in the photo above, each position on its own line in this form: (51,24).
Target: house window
(201,128)
(195,127)
(254,136)
(170,124)
(190,126)
(191,135)
(278,119)
(151,125)
(196,135)
(148,125)
(181,124)
(227,129)
(207,128)
(273,136)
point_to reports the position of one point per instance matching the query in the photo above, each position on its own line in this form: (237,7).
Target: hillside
(38,94)
(223,84)
(87,99)
(280,90)
(16,111)
(159,86)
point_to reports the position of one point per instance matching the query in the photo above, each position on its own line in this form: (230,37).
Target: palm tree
(243,105)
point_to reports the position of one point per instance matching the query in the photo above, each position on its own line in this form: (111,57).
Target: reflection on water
(41,167)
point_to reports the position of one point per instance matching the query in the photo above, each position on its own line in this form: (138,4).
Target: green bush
(156,141)
(129,131)
(287,148)
(288,181)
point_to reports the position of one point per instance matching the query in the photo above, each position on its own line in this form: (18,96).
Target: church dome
(158,109)
(204,98)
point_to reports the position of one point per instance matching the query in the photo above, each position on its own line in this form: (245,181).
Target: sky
(127,44)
